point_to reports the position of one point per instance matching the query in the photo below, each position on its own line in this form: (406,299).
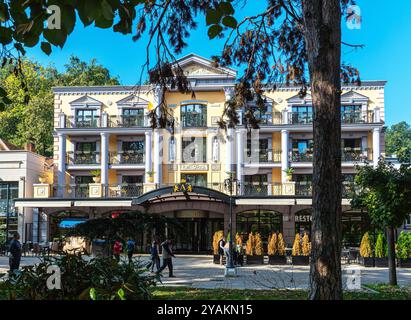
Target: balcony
(303,188)
(270,118)
(266,156)
(354,117)
(83,157)
(126,157)
(83,122)
(125,190)
(347,155)
(300,118)
(127,121)
(296,156)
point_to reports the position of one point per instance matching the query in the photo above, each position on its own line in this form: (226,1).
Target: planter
(381,262)
(277,259)
(367,262)
(300,260)
(216,259)
(150,179)
(255,259)
(240,260)
(96,179)
(404,263)
(42,180)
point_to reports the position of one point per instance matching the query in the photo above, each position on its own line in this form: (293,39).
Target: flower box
(381,262)
(255,259)
(367,261)
(300,260)
(276,259)
(404,263)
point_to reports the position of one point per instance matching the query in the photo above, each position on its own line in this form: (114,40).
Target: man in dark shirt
(15,253)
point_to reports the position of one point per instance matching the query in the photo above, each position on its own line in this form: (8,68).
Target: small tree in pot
(404,250)
(297,255)
(276,250)
(381,259)
(253,250)
(366,252)
(239,248)
(216,239)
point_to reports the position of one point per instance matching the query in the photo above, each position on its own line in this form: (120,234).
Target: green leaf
(121,294)
(106,10)
(103,23)
(213,16)
(225,8)
(93,294)
(46,47)
(55,37)
(230,22)
(68,18)
(214,31)
(6,35)
(19,47)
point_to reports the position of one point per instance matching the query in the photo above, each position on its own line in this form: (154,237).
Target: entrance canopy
(165,194)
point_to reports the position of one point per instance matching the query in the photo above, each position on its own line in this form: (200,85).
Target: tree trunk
(391,256)
(322,23)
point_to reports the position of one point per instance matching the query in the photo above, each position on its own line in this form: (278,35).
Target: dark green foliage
(398,141)
(81,279)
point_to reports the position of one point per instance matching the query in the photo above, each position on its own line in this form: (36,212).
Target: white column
(148,161)
(61,163)
(229,91)
(284,154)
(240,158)
(104,158)
(376,152)
(377,115)
(157,156)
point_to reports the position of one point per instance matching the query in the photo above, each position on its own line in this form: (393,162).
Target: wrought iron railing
(83,157)
(127,121)
(296,156)
(83,122)
(194,119)
(126,157)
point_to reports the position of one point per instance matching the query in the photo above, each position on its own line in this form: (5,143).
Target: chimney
(30,147)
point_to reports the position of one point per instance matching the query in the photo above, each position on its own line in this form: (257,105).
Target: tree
(398,141)
(280,43)
(297,245)
(385,192)
(379,251)
(272,245)
(365,246)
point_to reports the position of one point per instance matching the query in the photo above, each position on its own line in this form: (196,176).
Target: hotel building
(106,128)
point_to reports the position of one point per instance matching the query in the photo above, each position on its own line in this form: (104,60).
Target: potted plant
(276,249)
(381,259)
(239,247)
(150,175)
(254,249)
(216,238)
(96,175)
(297,254)
(43,178)
(289,173)
(366,258)
(404,250)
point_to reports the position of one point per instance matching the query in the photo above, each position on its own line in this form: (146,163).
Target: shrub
(258,245)
(365,247)
(379,250)
(216,238)
(272,245)
(239,239)
(306,245)
(249,246)
(297,245)
(280,245)
(98,278)
(404,245)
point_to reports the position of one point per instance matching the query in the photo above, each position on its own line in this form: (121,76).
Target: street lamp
(230,270)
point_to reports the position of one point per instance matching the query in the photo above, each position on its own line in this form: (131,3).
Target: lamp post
(230,270)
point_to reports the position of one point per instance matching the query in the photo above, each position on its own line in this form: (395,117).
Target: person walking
(15,253)
(168,255)
(117,248)
(221,244)
(130,249)
(155,257)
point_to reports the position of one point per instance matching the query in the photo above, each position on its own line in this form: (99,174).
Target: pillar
(148,160)
(376,152)
(61,162)
(284,154)
(104,160)
(240,159)
(157,150)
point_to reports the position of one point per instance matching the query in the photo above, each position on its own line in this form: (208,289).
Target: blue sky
(385,32)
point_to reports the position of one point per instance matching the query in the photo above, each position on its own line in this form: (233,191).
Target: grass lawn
(383,292)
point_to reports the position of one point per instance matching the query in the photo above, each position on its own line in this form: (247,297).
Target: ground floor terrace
(198,213)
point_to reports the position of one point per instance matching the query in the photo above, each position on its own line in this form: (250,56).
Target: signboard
(303,218)
(194,167)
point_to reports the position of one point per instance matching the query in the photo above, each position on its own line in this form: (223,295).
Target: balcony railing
(349,117)
(303,188)
(127,121)
(356,155)
(266,156)
(300,117)
(270,118)
(296,156)
(126,157)
(83,157)
(125,190)
(83,122)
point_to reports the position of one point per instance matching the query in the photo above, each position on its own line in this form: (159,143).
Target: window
(216,150)
(256,185)
(172,149)
(133,118)
(194,149)
(408,222)
(194,115)
(85,153)
(351,150)
(132,152)
(86,118)
(82,186)
(350,113)
(302,150)
(303,184)
(301,114)
(195,179)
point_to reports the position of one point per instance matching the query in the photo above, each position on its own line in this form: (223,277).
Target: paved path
(200,272)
